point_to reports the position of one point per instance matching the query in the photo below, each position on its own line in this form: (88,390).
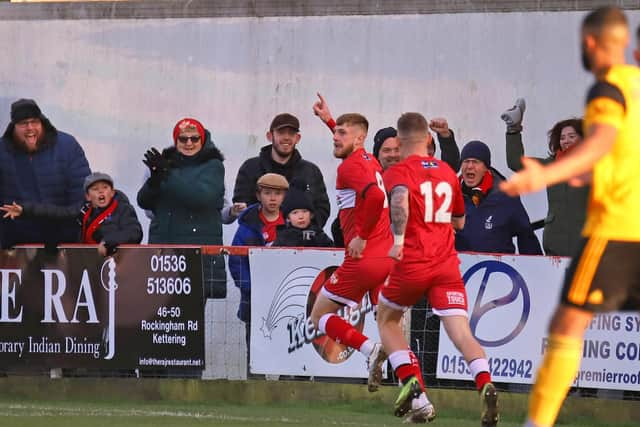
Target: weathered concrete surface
(261,8)
(121,85)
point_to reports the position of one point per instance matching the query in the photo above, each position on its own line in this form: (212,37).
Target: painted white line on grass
(22,410)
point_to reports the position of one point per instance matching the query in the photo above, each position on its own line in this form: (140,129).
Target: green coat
(187,206)
(567,205)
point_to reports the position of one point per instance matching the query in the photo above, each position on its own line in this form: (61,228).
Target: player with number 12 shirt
(426,205)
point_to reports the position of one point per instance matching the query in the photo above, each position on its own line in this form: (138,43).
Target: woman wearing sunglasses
(185,193)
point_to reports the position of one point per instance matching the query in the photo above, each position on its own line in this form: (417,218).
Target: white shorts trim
(322,323)
(451,312)
(338,298)
(385,301)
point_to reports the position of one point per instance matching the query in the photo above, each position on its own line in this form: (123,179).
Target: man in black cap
(282,157)
(39,164)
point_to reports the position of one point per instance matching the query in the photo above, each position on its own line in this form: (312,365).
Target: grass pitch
(185,414)
(109,402)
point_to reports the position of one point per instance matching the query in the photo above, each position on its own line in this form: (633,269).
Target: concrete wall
(120,85)
(142,9)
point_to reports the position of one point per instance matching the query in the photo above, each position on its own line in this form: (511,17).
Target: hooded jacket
(186,206)
(122,226)
(53,174)
(300,173)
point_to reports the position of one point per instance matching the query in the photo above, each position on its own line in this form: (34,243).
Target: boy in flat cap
(257,227)
(106,218)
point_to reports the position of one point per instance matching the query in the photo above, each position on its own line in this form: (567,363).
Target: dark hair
(409,123)
(603,17)
(353,119)
(556,130)
(638,33)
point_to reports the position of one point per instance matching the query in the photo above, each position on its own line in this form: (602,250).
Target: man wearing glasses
(39,164)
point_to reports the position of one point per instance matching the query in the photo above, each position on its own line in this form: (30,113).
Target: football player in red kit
(364,219)
(425,201)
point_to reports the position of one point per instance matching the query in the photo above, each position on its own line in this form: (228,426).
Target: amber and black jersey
(614,204)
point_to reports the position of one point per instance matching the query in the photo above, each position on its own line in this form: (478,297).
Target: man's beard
(344,153)
(280,152)
(29,148)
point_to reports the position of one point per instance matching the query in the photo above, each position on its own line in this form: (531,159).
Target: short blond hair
(353,119)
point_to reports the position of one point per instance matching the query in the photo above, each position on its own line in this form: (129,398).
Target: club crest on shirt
(366,156)
(428,164)
(488,223)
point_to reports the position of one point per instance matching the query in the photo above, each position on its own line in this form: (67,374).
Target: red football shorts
(355,277)
(441,283)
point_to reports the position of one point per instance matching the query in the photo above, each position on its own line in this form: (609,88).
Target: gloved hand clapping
(157,164)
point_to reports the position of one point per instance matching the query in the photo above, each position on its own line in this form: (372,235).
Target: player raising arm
(364,219)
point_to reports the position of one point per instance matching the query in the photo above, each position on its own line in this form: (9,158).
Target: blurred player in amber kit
(364,218)
(425,201)
(604,276)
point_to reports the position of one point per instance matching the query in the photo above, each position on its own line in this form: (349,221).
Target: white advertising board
(511,301)
(283,339)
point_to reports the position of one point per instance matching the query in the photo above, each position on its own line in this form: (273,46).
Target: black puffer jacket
(122,226)
(300,173)
(312,236)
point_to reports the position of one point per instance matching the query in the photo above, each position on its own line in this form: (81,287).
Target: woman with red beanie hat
(185,193)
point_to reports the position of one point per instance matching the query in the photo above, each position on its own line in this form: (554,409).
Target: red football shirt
(434,197)
(362,201)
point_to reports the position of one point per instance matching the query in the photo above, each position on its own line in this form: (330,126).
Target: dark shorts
(604,276)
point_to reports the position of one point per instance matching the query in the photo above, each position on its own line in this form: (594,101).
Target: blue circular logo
(481,307)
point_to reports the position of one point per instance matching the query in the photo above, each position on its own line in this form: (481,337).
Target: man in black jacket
(282,157)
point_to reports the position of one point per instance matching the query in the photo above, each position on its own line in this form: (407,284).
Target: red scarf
(478,193)
(88,230)
(561,153)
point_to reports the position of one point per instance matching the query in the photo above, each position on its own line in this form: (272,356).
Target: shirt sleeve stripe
(603,89)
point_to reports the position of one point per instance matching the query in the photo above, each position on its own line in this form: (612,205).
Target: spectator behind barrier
(257,227)
(230,211)
(282,157)
(39,164)
(106,218)
(185,193)
(299,228)
(567,204)
(492,217)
